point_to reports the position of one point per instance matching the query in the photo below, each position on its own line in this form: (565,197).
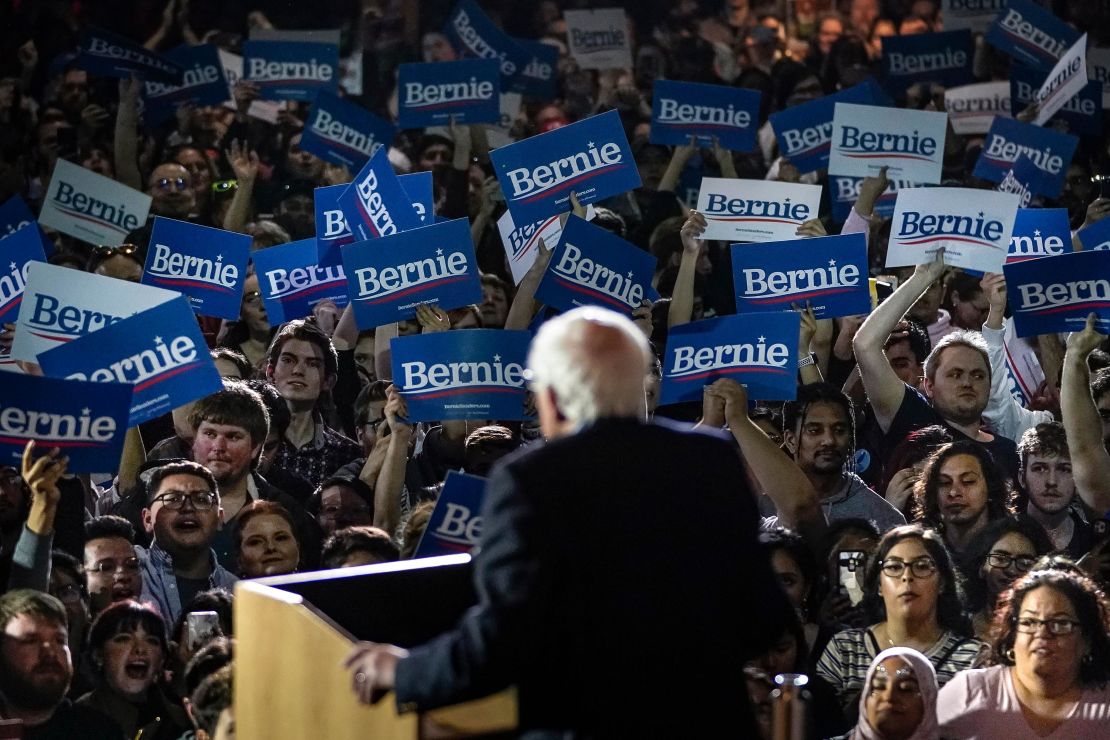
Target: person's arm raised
(682,153)
(523,307)
(126,150)
(391,479)
(681,309)
(1089,459)
(244,163)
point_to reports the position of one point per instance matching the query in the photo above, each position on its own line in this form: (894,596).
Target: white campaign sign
(598,39)
(971,108)
(1098,68)
(867,138)
(523,245)
(756,210)
(1064,82)
(91,207)
(973,226)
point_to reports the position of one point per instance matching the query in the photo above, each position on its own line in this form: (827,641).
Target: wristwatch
(807,361)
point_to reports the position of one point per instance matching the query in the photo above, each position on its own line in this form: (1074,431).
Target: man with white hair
(620,585)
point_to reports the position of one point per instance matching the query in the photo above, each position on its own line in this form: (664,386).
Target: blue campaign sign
(829,273)
(105,53)
(17,252)
(375,204)
(680,110)
(86,421)
(1082,113)
(456,522)
(928,57)
(540,76)
(590,157)
(291,70)
(343,133)
(1030,34)
(1055,294)
(160,352)
(292,281)
(388,278)
(418,186)
(14,215)
(844,191)
(432,94)
(1049,150)
(1096,236)
(1039,232)
(594,267)
(203,82)
(474,35)
(756,350)
(332,230)
(463,374)
(207,265)
(804,132)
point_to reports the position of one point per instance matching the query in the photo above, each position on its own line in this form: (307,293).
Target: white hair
(595,361)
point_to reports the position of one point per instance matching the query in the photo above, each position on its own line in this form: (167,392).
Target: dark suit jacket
(620,589)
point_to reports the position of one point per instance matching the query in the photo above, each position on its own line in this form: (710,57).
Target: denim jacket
(160,581)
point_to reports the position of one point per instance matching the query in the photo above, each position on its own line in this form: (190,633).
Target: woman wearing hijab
(900,698)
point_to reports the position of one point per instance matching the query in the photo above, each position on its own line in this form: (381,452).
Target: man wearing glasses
(183,514)
(111,565)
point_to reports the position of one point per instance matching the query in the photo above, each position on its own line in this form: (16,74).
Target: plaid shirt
(327,452)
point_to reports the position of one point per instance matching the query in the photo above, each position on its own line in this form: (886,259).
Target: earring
(1009,655)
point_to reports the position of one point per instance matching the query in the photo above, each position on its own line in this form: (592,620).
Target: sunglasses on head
(224,186)
(104,252)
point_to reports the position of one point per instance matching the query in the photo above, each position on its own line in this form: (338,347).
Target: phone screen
(850,566)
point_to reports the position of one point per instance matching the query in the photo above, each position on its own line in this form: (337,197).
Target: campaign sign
(973,226)
(91,207)
(17,252)
(1030,34)
(540,76)
(1098,71)
(291,280)
(756,210)
(203,82)
(14,215)
(388,278)
(590,157)
(418,186)
(828,272)
(1049,150)
(598,39)
(680,110)
(332,231)
(971,108)
(756,350)
(908,142)
(105,53)
(1096,236)
(464,374)
(973,15)
(456,522)
(1055,294)
(206,265)
(844,192)
(60,305)
(291,70)
(522,244)
(594,267)
(928,57)
(1017,180)
(1082,113)
(160,352)
(433,94)
(1064,82)
(375,204)
(1039,232)
(86,421)
(263,110)
(474,35)
(343,133)
(1022,366)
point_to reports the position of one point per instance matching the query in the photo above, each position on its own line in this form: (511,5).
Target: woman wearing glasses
(998,556)
(913,599)
(1052,651)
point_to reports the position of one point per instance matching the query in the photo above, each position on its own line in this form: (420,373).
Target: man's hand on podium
(373,666)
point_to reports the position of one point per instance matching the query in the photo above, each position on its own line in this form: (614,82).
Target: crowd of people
(943,546)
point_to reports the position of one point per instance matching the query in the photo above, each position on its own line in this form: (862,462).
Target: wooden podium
(293,632)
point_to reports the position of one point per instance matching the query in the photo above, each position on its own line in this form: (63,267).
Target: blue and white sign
(61,304)
(974,15)
(1049,150)
(463,374)
(1055,294)
(456,522)
(1082,113)
(160,352)
(291,70)
(828,272)
(1098,71)
(332,231)
(343,133)
(1064,82)
(474,35)
(292,282)
(1017,180)
(1039,232)
(590,157)
(844,192)
(14,215)
(433,94)
(1030,34)
(388,278)
(522,245)
(375,204)
(594,267)
(17,252)
(203,83)
(540,77)
(928,57)
(598,38)
(804,132)
(208,266)
(86,421)
(1096,236)
(908,142)
(419,187)
(105,53)
(971,108)
(91,207)
(973,227)
(680,110)
(756,350)
(756,210)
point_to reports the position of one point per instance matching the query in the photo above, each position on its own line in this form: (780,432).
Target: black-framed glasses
(127,565)
(224,186)
(104,252)
(167,183)
(175,500)
(921,568)
(1004,560)
(1032,625)
(373,424)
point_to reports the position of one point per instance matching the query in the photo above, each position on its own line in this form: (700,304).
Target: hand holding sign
(42,476)
(1083,343)
(994,285)
(432,319)
(870,190)
(733,395)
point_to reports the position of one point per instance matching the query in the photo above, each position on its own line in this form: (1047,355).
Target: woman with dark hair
(251,334)
(1051,640)
(965,301)
(1003,552)
(906,462)
(913,595)
(128,646)
(266,540)
(797,573)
